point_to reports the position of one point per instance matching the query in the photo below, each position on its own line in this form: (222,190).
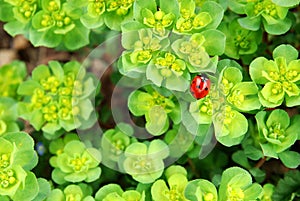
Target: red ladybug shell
(200,86)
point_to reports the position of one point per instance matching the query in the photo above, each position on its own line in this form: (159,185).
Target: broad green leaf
(91,22)
(214,42)
(268,150)
(216,12)
(15,27)
(171,6)
(93,174)
(248,100)
(177,83)
(268,95)
(156,120)
(284,3)
(29,190)
(278,117)
(139,5)
(108,189)
(240,158)
(45,38)
(250,23)
(158,149)
(290,159)
(44,189)
(281,27)
(139,102)
(258,174)
(153,74)
(253,192)
(135,149)
(158,190)
(77,37)
(6,13)
(287,51)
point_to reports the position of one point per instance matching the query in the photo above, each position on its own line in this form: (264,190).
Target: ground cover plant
(149,100)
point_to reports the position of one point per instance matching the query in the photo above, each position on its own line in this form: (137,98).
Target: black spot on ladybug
(206,89)
(198,86)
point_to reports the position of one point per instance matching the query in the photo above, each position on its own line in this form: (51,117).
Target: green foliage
(240,97)
(8,115)
(176,180)
(80,191)
(144,161)
(11,76)
(57,97)
(236,184)
(288,187)
(115,141)
(240,41)
(18,158)
(279,77)
(157,108)
(113,192)
(276,134)
(74,162)
(273,16)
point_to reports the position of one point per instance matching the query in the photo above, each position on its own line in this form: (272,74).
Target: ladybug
(200,86)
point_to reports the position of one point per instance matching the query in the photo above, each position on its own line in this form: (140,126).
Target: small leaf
(279,28)
(287,51)
(250,23)
(290,159)
(157,120)
(214,42)
(284,3)
(77,37)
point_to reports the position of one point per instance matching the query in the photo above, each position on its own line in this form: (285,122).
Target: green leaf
(44,189)
(108,189)
(258,174)
(158,149)
(92,22)
(284,3)
(139,5)
(15,27)
(287,187)
(37,119)
(279,28)
(290,159)
(253,192)
(216,12)
(250,23)
(287,51)
(30,189)
(156,120)
(41,72)
(153,74)
(240,158)
(56,70)
(268,150)
(248,90)
(214,42)
(259,67)
(269,96)
(196,189)
(6,13)
(77,37)
(177,83)
(170,7)
(45,38)
(278,116)
(139,102)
